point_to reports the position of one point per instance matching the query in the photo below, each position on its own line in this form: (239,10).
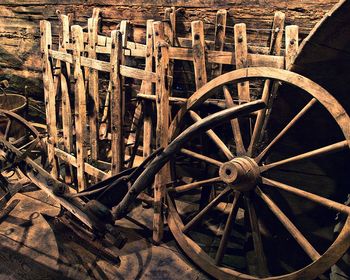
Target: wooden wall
(19,24)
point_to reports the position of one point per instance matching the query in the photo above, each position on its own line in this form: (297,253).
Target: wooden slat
(219,42)
(116,103)
(49,94)
(219,57)
(241,55)
(162,104)
(124,29)
(198,45)
(93,85)
(67,121)
(146,88)
(169,36)
(88,168)
(292,44)
(80,105)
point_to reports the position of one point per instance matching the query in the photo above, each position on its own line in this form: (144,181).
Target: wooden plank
(80,105)
(146,88)
(146,85)
(162,104)
(169,36)
(49,95)
(116,103)
(125,30)
(67,122)
(219,42)
(198,46)
(88,168)
(219,57)
(93,85)
(292,44)
(241,55)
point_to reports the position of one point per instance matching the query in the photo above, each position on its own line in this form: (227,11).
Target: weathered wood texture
(19,24)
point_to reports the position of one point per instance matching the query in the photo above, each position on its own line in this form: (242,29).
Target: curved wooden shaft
(147,176)
(213,136)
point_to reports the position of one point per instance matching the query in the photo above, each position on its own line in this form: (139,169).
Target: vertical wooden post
(124,29)
(169,37)
(241,55)
(49,94)
(93,85)
(65,89)
(80,104)
(162,104)
(198,45)
(292,44)
(116,103)
(269,90)
(220,32)
(142,111)
(146,87)
(169,33)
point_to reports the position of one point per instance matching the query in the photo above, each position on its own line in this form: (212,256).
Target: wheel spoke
(227,231)
(194,185)
(7,130)
(240,150)
(201,157)
(286,129)
(322,151)
(19,140)
(316,198)
(27,144)
(206,209)
(260,118)
(213,136)
(258,246)
(292,229)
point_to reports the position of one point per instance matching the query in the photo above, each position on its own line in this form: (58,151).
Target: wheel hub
(241,173)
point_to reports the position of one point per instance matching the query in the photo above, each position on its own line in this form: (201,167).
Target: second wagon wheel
(247,209)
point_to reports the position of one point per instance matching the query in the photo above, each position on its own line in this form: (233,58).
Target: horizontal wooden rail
(88,168)
(104,66)
(186,53)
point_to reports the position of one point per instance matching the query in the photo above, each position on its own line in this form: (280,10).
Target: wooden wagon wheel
(242,180)
(25,138)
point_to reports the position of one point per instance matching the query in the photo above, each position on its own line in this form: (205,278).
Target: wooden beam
(162,104)
(241,55)
(80,105)
(292,44)
(67,122)
(49,95)
(93,85)
(146,88)
(219,42)
(198,45)
(116,103)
